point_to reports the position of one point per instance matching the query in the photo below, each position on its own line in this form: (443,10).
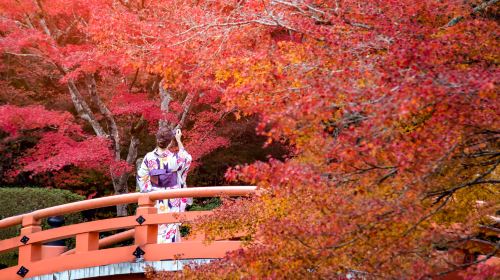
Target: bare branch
(427,216)
(186,105)
(134,80)
(476,181)
(25,54)
(28,22)
(92,88)
(84,110)
(476,10)
(45,28)
(44,22)
(165,99)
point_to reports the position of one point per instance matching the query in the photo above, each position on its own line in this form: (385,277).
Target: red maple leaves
(14,119)
(62,142)
(389,110)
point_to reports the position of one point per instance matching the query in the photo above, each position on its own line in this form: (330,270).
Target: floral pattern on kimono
(179,161)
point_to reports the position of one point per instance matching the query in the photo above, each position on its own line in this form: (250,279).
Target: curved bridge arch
(35,260)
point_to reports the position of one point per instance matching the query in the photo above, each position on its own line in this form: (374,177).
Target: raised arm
(178,135)
(184,158)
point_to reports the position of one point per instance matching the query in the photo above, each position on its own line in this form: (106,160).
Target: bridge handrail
(36,258)
(128,198)
(119,223)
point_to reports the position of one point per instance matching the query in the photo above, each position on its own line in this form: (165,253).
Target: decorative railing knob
(55,222)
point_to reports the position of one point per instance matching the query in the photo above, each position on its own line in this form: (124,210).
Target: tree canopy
(389,110)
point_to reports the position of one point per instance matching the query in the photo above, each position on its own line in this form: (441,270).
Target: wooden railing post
(88,241)
(29,252)
(145,234)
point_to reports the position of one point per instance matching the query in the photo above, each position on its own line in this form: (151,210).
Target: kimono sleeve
(184,159)
(185,162)
(142,177)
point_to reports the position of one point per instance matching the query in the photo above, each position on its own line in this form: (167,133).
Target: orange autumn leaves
(379,104)
(390,118)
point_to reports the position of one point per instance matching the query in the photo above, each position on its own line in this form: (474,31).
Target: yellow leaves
(295,58)
(296,83)
(368,80)
(362,83)
(469,203)
(293,53)
(238,78)
(274,207)
(463,207)
(222,75)
(303,140)
(155,68)
(262,67)
(241,72)
(169,76)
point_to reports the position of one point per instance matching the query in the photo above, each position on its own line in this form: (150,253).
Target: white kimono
(179,161)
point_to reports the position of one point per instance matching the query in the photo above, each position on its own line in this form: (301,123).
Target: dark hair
(163,137)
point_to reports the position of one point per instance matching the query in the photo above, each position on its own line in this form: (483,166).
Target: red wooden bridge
(40,261)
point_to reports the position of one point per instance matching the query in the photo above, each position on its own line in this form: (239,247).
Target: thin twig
(476,10)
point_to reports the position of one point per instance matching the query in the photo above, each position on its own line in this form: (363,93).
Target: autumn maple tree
(391,113)
(389,110)
(55,52)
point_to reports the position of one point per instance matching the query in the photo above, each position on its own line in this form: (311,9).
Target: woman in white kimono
(162,169)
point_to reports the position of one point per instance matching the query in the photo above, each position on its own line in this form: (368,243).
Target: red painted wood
(130,198)
(154,252)
(87,253)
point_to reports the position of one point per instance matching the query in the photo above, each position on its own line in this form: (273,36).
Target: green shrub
(204,204)
(15,201)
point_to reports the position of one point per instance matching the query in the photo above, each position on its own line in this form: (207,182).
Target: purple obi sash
(163,178)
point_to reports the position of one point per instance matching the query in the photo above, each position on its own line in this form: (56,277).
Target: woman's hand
(178,135)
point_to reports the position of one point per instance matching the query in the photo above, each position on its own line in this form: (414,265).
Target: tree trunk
(120,182)
(121,187)
(84,110)
(115,136)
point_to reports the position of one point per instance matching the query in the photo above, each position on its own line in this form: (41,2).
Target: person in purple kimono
(162,169)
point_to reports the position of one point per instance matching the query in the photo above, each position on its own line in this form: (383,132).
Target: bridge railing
(88,251)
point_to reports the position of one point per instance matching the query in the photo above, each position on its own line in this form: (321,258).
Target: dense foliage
(389,111)
(54,54)
(16,201)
